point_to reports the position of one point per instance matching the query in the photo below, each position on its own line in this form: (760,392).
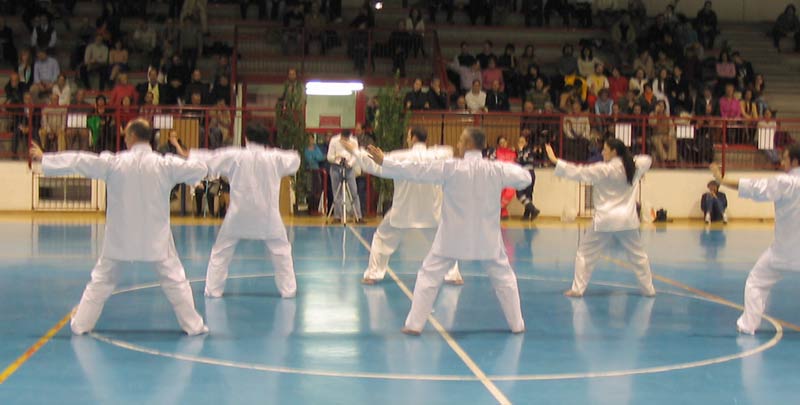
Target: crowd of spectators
(101,58)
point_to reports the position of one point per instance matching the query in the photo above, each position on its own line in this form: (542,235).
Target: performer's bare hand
(36,152)
(550,153)
(716,171)
(376,154)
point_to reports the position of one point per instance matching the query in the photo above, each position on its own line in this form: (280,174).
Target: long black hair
(624,154)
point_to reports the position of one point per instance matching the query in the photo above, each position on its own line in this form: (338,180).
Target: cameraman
(343,165)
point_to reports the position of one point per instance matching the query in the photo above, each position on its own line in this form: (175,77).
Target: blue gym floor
(339,342)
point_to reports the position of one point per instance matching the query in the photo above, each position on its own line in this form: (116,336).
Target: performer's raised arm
(64,163)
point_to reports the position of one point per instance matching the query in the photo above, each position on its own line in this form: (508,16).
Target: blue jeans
(714,207)
(336,181)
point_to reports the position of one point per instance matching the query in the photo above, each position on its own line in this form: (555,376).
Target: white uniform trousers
(222,254)
(756,292)
(385,242)
(105,276)
(431,276)
(594,244)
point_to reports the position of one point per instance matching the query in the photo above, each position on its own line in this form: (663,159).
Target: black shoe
(527,214)
(534,212)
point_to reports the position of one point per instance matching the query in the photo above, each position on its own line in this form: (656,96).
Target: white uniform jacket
(784,191)
(470,224)
(138,183)
(614,199)
(255,174)
(414,205)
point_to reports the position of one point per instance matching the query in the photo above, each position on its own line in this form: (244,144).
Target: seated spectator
(665,144)
(152,86)
(539,95)
(223,67)
(670,48)
(577,131)
(509,64)
(648,100)
(178,76)
(8,51)
(25,67)
(62,90)
(604,104)
(678,91)
(748,106)
(221,90)
(44,35)
(316,31)
(663,62)
(461,105)
(587,62)
(706,104)
(79,138)
(400,47)
(126,112)
(654,35)
(95,61)
(437,97)
(447,5)
(526,60)
(628,102)
(490,74)
(24,129)
(597,80)
(196,85)
(661,84)
(617,84)
(714,203)
(54,124)
(744,71)
(467,76)
(570,95)
(645,63)
(729,106)
(497,99)
(638,81)
(476,98)
(787,24)
(416,99)
(465,58)
(758,86)
(221,121)
(15,89)
(103,127)
(567,67)
(726,70)
(529,79)
(623,39)
(45,73)
(117,61)
(706,23)
(123,89)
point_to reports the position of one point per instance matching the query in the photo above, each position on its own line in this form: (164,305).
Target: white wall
(677,191)
(17,184)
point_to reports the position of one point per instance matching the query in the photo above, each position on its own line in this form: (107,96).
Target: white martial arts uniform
(469,227)
(138,184)
(784,252)
(255,174)
(414,206)
(615,218)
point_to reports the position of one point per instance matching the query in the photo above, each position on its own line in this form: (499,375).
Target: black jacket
(497,101)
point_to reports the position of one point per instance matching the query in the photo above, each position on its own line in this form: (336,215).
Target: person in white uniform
(255,174)
(138,183)
(783,254)
(414,206)
(469,228)
(615,185)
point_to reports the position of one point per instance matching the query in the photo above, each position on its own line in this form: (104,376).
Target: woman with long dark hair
(615,185)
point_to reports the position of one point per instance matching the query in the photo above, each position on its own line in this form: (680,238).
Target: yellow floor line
(15,365)
(482,377)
